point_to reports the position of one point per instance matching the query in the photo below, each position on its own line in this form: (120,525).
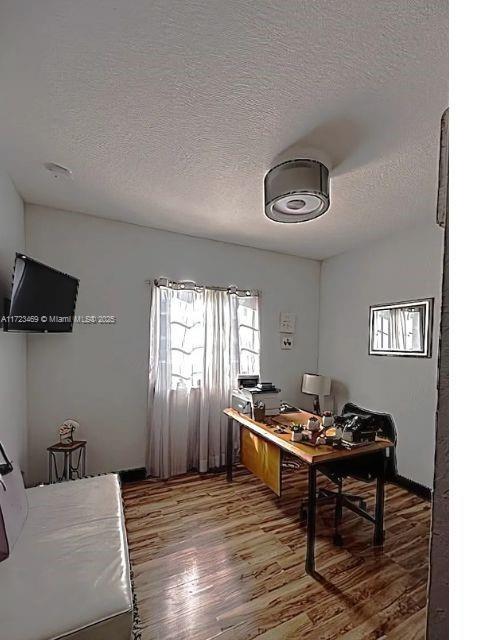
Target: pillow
(13,504)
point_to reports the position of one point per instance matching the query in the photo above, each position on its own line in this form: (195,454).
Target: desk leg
(379,535)
(229,448)
(311,520)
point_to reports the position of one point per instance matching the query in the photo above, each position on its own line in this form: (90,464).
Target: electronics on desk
(263,387)
(240,403)
(356,430)
(247,381)
(244,400)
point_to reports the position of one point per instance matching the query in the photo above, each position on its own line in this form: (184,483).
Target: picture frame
(286,341)
(401,329)
(287,322)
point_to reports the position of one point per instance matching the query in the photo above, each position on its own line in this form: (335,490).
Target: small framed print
(287,322)
(402,329)
(286,342)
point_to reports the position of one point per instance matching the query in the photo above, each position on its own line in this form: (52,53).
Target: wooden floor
(226,561)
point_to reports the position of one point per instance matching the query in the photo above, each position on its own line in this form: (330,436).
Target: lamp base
(316,405)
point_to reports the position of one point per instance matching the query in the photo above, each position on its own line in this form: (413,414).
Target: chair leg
(350,496)
(379,535)
(361,501)
(302,512)
(326,493)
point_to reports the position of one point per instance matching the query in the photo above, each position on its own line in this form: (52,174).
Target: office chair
(365,468)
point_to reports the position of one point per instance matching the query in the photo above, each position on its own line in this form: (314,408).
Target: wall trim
(418,489)
(132,475)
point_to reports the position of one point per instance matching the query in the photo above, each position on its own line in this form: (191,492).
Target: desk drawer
(262,458)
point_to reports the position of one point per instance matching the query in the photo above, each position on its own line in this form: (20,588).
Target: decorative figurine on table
(66,431)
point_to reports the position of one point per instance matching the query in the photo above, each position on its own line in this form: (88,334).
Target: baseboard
(133,475)
(140,473)
(414,487)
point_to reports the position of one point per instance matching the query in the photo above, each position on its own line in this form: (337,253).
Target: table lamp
(316,385)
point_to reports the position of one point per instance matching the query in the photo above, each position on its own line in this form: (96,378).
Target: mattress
(68,574)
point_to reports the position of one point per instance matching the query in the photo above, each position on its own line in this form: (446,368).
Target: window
(185,335)
(248,335)
(201,338)
(186,339)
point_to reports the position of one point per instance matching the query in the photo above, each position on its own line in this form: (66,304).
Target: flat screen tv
(42,300)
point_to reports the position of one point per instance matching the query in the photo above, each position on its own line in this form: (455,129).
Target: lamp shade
(316,385)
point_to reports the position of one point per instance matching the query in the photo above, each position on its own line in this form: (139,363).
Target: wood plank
(413,628)
(288,630)
(262,458)
(225,561)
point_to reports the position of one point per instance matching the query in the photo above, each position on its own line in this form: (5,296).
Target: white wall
(13,430)
(405,266)
(98,374)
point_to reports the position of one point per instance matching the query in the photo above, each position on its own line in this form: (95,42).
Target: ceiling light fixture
(297,191)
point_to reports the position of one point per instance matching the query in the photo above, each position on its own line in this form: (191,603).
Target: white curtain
(398,333)
(406,329)
(200,340)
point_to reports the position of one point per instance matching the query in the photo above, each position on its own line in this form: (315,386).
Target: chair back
(385,426)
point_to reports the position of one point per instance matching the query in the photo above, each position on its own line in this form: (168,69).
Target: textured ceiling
(169,112)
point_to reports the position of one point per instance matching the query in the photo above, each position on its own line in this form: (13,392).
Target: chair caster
(337,540)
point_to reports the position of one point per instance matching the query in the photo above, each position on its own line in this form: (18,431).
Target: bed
(68,574)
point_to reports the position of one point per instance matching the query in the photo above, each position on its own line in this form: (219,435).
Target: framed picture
(286,341)
(287,322)
(402,329)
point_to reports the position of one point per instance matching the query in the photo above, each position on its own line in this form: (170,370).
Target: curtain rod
(189,284)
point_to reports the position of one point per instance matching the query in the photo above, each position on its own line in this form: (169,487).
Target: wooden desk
(313,457)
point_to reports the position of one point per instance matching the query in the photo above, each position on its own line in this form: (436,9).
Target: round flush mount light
(297,191)
(57,170)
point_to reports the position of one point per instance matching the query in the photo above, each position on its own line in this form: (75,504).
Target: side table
(70,469)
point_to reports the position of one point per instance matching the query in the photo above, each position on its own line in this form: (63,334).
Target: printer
(245,398)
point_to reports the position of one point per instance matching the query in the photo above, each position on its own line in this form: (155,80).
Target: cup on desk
(313,424)
(328,419)
(297,433)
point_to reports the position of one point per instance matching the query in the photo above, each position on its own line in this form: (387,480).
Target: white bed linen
(68,575)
